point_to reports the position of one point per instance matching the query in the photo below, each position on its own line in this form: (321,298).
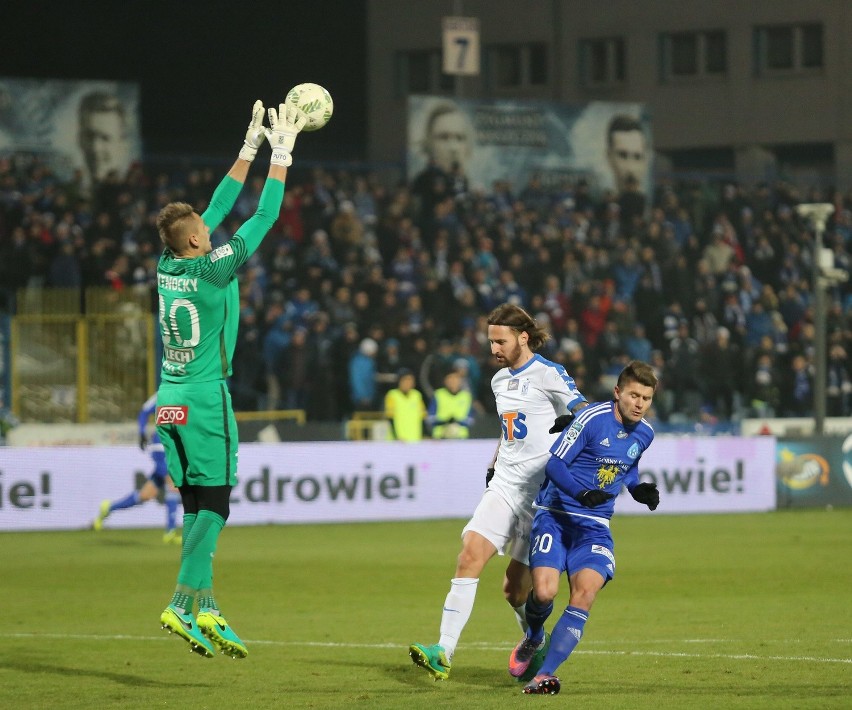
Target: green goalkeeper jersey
(199,297)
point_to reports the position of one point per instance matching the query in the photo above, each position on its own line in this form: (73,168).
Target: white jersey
(528,400)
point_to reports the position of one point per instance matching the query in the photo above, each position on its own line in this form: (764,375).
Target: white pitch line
(483,646)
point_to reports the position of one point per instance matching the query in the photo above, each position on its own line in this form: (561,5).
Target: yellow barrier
(297,415)
(367,426)
(72,368)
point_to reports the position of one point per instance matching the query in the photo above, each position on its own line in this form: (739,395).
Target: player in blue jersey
(593,458)
(158,480)
(529,392)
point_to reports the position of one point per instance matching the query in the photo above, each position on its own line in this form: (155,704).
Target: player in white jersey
(530,391)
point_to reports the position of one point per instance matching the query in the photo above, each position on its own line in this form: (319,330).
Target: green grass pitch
(706,611)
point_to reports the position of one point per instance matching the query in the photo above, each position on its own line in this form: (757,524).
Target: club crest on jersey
(222,251)
(513,385)
(633,451)
(607,474)
(525,387)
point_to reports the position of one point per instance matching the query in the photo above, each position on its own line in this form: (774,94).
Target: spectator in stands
(559,258)
(839,385)
(721,370)
(797,394)
(684,367)
(362,376)
(763,387)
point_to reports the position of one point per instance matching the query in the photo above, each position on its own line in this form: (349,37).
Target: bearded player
(530,391)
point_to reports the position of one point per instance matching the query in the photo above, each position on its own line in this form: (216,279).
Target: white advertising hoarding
(61,488)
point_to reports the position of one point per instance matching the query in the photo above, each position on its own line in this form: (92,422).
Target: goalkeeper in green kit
(199,313)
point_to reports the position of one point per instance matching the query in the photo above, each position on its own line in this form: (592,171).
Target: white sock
(521,616)
(457,608)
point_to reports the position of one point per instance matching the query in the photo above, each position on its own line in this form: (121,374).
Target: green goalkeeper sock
(188,522)
(206,601)
(196,567)
(183,599)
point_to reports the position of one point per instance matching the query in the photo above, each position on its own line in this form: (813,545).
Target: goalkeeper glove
(648,494)
(561,422)
(489,474)
(593,497)
(284,127)
(255,133)
(143,441)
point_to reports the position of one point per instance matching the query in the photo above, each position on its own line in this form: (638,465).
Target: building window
(602,61)
(788,48)
(420,72)
(507,66)
(693,54)
(538,69)
(513,66)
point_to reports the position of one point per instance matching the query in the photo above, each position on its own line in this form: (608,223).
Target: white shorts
(495,520)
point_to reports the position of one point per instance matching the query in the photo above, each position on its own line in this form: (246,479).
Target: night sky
(201,65)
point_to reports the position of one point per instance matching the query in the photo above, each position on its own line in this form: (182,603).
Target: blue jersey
(596,451)
(155,446)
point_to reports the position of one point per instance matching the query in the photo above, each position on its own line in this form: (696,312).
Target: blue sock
(126,502)
(564,638)
(172,502)
(537,614)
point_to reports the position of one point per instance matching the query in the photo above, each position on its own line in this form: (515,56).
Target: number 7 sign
(461,45)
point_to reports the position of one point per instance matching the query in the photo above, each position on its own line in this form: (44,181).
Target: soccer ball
(314,101)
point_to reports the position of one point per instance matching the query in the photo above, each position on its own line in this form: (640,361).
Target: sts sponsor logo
(513,425)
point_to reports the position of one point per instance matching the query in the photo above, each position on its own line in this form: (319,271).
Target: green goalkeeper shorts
(199,433)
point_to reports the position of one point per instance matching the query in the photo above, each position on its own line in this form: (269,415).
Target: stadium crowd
(709,281)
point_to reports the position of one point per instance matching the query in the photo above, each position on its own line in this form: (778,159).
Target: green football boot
(432,659)
(217,630)
(186,627)
(103,514)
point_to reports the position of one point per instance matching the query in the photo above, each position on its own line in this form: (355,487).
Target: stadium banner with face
(320,482)
(91,126)
(510,140)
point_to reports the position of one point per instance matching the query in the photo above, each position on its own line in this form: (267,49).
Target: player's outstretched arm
(285,126)
(255,135)
(226,193)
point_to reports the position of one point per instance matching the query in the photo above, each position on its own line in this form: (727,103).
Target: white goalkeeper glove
(284,127)
(255,133)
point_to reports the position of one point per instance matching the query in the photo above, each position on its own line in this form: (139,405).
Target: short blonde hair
(171,223)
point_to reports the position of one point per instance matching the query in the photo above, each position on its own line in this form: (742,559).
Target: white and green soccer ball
(314,101)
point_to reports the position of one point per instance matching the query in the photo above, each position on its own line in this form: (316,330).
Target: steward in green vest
(405,409)
(451,410)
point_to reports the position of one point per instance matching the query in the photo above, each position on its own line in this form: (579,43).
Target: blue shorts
(570,543)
